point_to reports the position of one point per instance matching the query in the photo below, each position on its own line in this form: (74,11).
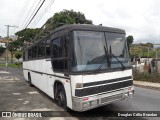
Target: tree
(2,50)
(26,35)
(18,55)
(58,19)
(13,47)
(129,41)
(66,17)
(150,45)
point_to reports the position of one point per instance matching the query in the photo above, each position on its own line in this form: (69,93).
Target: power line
(28,13)
(42,15)
(44,29)
(31,14)
(35,13)
(22,8)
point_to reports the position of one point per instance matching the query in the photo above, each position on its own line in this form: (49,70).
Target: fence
(146,69)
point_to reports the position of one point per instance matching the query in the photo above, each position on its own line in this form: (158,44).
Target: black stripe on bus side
(106,81)
(47,74)
(104,88)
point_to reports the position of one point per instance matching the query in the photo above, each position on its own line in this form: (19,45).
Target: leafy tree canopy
(18,55)
(67,17)
(27,34)
(13,47)
(58,19)
(150,45)
(2,50)
(129,41)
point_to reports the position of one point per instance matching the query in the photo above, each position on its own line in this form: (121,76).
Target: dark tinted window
(24,56)
(64,47)
(34,52)
(60,53)
(60,64)
(48,49)
(29,54)
(56,48)
(41,49)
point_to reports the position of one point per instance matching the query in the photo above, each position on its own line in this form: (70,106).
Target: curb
(146,86)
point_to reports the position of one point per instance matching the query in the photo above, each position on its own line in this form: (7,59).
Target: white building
(2,42)
(2,45)
(13,37)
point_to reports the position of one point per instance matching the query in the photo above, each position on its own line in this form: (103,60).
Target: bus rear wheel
(61,97)
(29,80)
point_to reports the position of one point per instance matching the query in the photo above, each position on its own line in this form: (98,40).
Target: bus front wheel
(61,97)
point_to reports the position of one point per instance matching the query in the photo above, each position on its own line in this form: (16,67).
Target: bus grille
(103,88)
(111,98)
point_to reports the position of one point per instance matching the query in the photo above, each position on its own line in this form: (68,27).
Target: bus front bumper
(89,102)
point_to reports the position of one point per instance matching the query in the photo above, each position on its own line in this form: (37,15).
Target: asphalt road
(16,95)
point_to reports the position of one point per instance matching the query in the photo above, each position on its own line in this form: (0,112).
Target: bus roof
(71,27)
(88,27)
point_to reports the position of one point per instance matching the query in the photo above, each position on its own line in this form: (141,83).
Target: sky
(139,18)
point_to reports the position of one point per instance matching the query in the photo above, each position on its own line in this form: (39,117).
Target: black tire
(61,97)
(29,80)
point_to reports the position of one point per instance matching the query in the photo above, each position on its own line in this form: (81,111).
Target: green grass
(13,65)
(147,77)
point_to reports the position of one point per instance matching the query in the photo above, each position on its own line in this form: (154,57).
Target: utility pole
(8,26)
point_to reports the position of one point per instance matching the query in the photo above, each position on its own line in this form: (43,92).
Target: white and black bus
(81,66)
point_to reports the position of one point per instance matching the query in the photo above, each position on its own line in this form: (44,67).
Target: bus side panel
(25,73)
(50,87)
(40,81)
(74,80)
(39,75)
(36,68)
(67,86)
(42,76)
(50,78)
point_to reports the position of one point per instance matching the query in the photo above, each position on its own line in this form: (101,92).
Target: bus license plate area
(111,98)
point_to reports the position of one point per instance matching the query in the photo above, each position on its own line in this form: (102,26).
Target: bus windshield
(90,48)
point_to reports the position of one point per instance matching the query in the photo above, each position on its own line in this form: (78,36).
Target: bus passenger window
(29,54)
(60,53)
(41,49)
(64,47)
(24,56)
(48,51)
(34,52)
(56,48)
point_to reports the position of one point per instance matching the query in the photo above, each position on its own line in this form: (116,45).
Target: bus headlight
(79,85)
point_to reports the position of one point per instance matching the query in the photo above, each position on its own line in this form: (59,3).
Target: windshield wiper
(119,61)
(106,54)
(117,58)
